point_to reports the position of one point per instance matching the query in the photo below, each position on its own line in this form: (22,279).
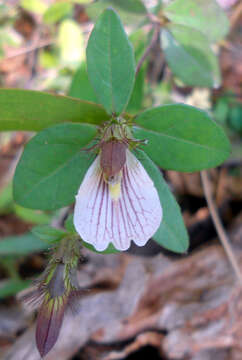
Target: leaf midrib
(179,139)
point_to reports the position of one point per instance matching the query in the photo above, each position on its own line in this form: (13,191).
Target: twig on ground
(219,226)
(29,49)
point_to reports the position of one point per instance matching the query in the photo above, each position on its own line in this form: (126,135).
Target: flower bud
(56,290)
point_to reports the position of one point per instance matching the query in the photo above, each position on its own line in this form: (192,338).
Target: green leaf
(80,86)
(48,233)
(189,56)
(52,166)
(182,138)
(12,287)
(56,12)
(31,216)
(110,249)
(172,233)
(131,12)
(204,15)
(110,62)
(6,199)
(22,245)
(135,6)
(71,43)
(35,110)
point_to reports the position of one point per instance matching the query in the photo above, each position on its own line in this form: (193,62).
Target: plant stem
(219,226)
(149,48)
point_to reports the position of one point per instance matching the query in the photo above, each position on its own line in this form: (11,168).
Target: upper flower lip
(113,157)
(136,215)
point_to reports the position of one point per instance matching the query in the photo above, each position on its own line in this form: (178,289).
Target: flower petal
(136,215)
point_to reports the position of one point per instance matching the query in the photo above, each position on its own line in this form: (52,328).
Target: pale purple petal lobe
(136,215)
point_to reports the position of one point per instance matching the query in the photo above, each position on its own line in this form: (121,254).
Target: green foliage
(7,206)
(13,286)
(172,233)
(204,15)
(22,245)
(136,6)
(35,110)
(52,166)
(110,62)
(48,233)
(197,65)
(110,249)
(235,118)
(57,11)
(6,199)
(32,216)
(80,86)
(131,12)
(182,138)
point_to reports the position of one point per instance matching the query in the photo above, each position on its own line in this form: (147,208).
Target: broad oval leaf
(204,15)
(35,110)
(189,56)
(52,166)
(182,138)
(110,62)
(172,233)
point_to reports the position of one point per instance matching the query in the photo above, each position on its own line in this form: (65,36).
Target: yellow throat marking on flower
(114,186)
(115,191)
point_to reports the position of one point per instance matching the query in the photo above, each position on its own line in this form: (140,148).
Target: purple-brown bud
(113,157)
(57,289)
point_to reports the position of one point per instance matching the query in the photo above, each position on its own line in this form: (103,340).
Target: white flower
(125,208)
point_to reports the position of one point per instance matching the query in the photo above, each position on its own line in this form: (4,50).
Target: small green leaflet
(110,62)
(204,15)
(182,138)
(52,166)
(189,56)
(35,110)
